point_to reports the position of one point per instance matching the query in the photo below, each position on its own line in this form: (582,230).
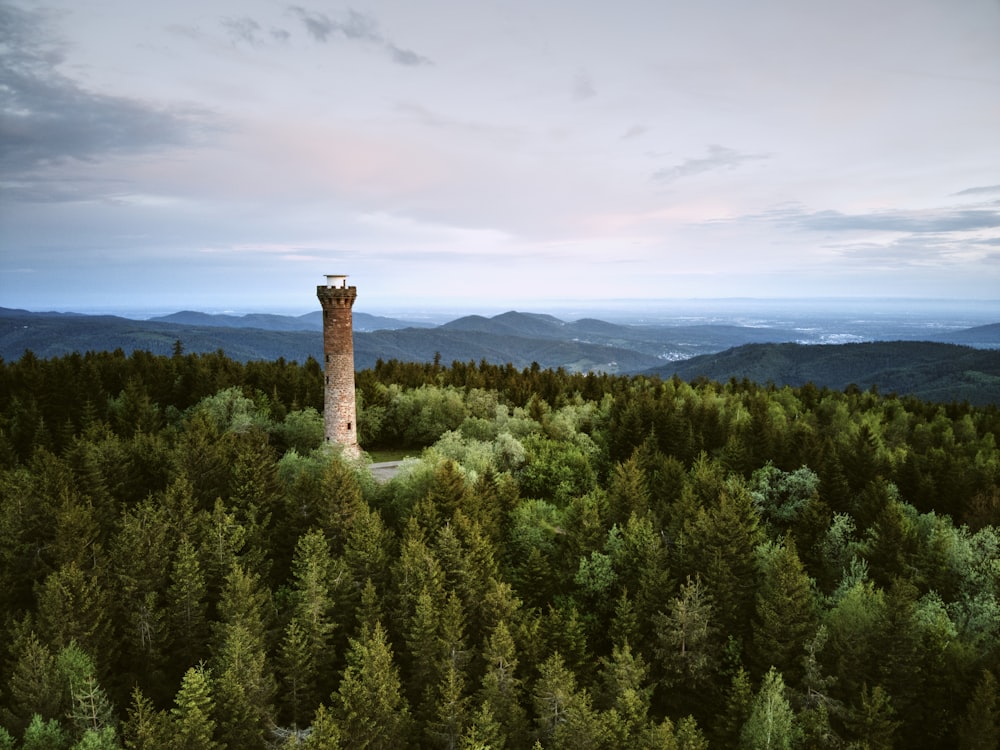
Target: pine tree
(484,732)
(139,584)
(226,543)
(425,649)
(626,694)
(689,736)
(817,706)
(324,733)
(203,455)
(243,683)
(718,544)
(624,624)
(312,608)
(34,685)
(98,739)
(245,600)
(339,503)
(729,724)
(73,606)
(146,728)
(565,634)
(187,608)
(501,688)
(627,491)
(469,563)
(370,610)
(785,615)
(855,625)
(297,670)
(192,724)
(44,735)
(979,728)
(564,714)
(244,689)
(415,569)
(253,492)
(451,709)
(90,710)
(368,548)
(872,721)
(448,490)
(181,509)
(640,559)
(369,705)
(77,533)
(685,637)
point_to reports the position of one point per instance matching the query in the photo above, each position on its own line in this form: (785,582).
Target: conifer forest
(567,561)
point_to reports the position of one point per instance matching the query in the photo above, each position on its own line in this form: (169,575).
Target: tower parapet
(340,421)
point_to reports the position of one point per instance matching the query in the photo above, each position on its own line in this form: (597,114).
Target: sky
(495,154)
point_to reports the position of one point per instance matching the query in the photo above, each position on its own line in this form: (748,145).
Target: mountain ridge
(311,321)
(929,370)
(716,351)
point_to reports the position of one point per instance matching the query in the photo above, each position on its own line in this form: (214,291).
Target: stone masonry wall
(339,410)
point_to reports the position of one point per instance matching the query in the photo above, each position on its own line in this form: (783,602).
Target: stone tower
(340,417)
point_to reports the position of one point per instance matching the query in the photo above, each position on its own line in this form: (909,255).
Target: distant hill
(928,370)
(932,370)
(56,334)
(982,337)
(511,324)
(500,348)
(309,322)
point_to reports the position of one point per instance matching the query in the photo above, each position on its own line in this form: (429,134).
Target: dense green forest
(573,561)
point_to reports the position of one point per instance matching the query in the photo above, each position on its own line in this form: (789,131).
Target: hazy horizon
(951,313)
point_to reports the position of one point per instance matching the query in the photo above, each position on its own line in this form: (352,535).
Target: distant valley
(961,364)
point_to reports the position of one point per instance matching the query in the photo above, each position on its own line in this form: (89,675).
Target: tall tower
(340,419)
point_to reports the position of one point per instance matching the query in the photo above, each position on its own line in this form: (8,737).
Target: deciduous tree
(771,723)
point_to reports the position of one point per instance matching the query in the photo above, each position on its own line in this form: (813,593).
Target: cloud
(496,133)
(633,132)
(248,30)
(48,118)
(243,29)
(406,56)
(719,157)
(357,27)
(979,190)
(916,251)
(888,239)
(919,222)
(321,27)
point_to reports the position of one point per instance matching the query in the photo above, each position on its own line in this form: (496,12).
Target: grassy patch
(392,454)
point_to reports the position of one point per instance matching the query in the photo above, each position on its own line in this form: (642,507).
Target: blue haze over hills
(940,349)
(824,320)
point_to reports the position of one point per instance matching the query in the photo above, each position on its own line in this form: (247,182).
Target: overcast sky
(226,154)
